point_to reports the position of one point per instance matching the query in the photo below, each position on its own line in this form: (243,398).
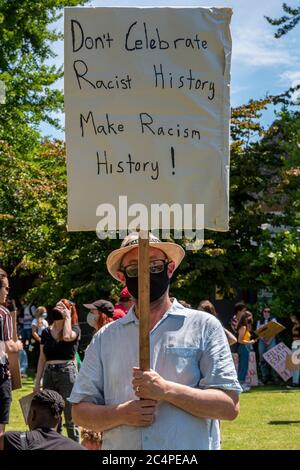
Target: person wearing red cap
(125,303)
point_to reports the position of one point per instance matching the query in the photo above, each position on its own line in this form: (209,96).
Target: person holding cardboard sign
(7,345)
(264,345)
(192,381)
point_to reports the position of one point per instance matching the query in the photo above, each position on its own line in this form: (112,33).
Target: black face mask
(159,283)
(56,315)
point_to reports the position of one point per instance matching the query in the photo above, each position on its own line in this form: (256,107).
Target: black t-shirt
(59,350)
(39,439)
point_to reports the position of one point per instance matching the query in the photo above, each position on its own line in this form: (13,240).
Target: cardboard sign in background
(269,330)
(147,110)
(276,357)
(25,403)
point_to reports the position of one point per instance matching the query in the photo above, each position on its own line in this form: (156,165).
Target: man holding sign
(192,381)
(266,329)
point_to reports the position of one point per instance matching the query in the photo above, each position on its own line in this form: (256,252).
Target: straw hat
(173,251)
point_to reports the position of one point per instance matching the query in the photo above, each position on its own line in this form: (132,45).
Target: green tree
(286,22)
(34,238)
(263,241)
(26,41)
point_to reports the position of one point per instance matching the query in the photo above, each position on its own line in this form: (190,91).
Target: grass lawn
(16,416)
(269,419)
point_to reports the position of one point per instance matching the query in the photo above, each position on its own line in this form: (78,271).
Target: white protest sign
(147,110)
(276,357)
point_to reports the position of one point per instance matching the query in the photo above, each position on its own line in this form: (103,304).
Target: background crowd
(49,342)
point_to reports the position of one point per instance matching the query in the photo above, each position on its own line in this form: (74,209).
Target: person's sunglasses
(155,267)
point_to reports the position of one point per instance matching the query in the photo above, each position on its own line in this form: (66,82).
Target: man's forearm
(209,403)
(97,417)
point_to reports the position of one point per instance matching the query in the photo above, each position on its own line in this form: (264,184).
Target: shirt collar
(176,309)
(130,317)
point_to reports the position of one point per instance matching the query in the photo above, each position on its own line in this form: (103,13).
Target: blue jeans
(295,378)
(26,333)
(243,351)
(266,370)
(23,361)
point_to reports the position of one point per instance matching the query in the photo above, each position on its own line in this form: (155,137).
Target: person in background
(267,373)
(245,346)
(25,317)
(38,325)
(207,306)
(23,357)
(239,309)
(295,319)
(125,303)
(7,344)
(57,363)
(23,361)
(44,420)
(101,313)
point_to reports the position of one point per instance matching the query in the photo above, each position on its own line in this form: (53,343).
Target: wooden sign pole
(144,300)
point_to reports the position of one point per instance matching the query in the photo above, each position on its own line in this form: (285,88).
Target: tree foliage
(34,238)
(263,240)
(286,22)
(26,41)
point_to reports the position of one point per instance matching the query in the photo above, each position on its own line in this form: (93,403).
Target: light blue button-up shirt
(187,347)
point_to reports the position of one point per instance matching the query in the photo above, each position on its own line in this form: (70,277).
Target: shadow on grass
(283,422)
(273,389)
